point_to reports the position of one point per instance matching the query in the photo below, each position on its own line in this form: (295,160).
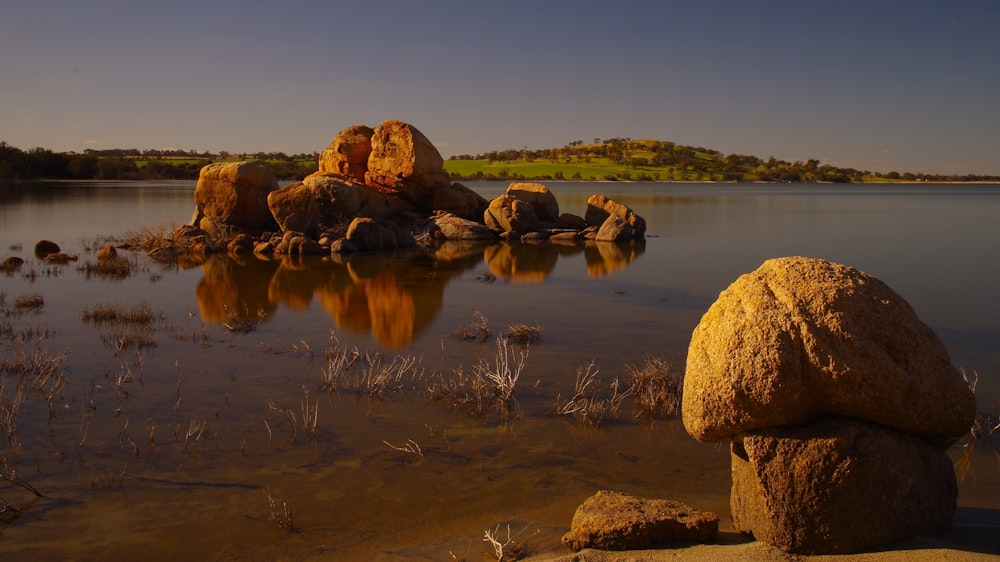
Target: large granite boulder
(406,163)
(295,208)
(620,521)
(599,208)
(507,213)
(839,486)
(348,153)
(542,201)
(234,194)
(328,201)
(460,201)
(802,337)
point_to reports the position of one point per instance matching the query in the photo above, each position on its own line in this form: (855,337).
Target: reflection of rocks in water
(231,287)
(604,258)
(525,263)
(393,296)
(383,306)
(294,283)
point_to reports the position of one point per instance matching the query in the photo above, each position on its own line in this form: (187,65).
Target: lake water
(171,444)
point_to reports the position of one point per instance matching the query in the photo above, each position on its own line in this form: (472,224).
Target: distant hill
(623,159)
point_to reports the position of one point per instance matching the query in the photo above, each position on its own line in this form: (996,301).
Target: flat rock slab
(619,521)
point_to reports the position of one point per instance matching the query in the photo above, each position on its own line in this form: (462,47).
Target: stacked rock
(839,404)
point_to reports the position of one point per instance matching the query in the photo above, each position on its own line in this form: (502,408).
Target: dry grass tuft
(279,513)
(507,550)
(242,321)
(490,385)
(589,405)
(478,329)
(115,269)
(140,314)
(524,334)
(32,302)
(657,387)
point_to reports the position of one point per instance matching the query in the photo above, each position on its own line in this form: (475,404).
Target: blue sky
(878,85)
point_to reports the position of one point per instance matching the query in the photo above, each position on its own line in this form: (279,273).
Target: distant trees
(134,164)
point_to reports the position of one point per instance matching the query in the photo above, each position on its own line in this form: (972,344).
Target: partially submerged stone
(599,208)
(46,247)
(801,337)
(507,213)
(839,486)
(619,521)
(542,201)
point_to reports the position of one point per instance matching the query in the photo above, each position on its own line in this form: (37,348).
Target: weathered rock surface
(614,229)
(801,337)
(510,214)
(328,201)
(348,153)
(619,521)
(451,227)
(599,208)
(459,200)
(404,161)
(839,486)
(542,201)
(235,194)
(295,208)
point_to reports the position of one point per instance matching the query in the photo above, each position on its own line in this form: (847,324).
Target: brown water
(170,450)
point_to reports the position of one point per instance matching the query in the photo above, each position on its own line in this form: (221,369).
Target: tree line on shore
(133,164)
(617,158)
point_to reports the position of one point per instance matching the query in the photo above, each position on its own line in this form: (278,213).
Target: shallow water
(172,449)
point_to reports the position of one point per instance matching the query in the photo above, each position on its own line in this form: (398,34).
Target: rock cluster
(838,402)
(379,189)
(619,521)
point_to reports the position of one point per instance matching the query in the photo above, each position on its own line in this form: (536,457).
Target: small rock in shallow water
(619,521)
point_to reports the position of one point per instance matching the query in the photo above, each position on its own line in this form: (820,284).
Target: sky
(880,85)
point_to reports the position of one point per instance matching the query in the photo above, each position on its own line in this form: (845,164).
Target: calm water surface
(171,449)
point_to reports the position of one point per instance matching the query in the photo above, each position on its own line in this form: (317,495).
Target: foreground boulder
(839,404)
(234,194)
(839,486)
(800,337)
(619,521)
